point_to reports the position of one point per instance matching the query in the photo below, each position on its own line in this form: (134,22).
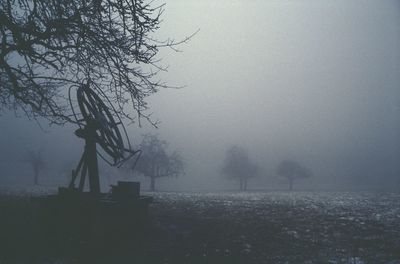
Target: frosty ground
(251,227)
(279,227)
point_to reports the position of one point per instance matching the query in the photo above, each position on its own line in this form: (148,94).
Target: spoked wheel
(108,134)
(98,125)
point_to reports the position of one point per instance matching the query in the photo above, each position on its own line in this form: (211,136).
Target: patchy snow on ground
(278,227)
(235,228)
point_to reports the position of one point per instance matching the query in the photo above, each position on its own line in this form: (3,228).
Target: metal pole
(91,159)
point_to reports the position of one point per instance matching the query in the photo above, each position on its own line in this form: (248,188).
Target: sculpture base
(72,218)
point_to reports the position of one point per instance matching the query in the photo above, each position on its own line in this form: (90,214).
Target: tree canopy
(237,166)
(155,162)
(292,170)
(35,159)
(48,46)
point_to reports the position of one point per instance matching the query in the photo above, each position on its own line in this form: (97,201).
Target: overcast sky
(315,81)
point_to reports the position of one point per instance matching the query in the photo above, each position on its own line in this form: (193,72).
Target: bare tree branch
(47,46)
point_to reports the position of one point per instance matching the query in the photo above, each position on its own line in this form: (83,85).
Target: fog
(313,81)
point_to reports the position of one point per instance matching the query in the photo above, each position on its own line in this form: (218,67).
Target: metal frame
(97,126)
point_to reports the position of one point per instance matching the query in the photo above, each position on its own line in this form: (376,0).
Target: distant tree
(48,46)
(292,171)
(155,162)
(238,167)
(35,159)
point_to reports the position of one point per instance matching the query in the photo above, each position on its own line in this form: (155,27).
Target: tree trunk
(290,184)
(152,183)
(36,178)
(245,184)
(241,184)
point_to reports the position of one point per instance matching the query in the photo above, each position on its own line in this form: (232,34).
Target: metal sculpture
(97,126)
(69,216)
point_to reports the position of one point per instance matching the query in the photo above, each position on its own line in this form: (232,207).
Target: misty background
(313,81)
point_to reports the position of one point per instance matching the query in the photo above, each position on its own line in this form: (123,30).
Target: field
(264,227)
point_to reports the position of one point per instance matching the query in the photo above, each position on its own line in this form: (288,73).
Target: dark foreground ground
(272,227)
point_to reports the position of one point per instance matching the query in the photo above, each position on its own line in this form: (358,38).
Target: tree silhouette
(237,166)
(35,159)
(292,170)
(48,46)
(155,162)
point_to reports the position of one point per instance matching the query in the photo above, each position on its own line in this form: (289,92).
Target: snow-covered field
(262,227)
(278,227)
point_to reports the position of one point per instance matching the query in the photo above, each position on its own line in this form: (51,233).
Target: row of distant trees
(156,161)
(238,166)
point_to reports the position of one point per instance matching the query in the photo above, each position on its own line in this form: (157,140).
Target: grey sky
(317,81)
(299,78)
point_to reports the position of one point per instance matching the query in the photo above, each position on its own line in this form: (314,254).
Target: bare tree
(237,166)
(35,159)
(292,170)
(49,46)
(155,162)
